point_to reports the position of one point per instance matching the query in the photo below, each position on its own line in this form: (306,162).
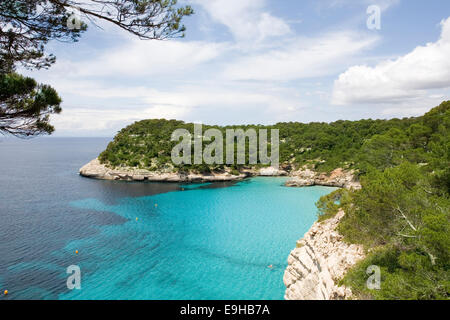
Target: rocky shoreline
(337,178)
(97,170)
(320,260)
(321,257)
(303,177)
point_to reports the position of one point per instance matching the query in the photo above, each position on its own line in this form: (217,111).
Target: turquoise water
(210,241)
(200,243)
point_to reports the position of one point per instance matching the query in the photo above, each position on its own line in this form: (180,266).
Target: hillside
(146,144)
(402,213)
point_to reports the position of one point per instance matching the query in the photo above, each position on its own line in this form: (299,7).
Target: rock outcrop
(319,261)
(303,177)
(96,170)
(337,178)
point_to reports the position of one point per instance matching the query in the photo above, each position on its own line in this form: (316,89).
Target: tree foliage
(26,27)
(357,144)
(402,212)
(25,106)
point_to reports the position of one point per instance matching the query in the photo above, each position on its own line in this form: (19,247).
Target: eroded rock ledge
(337,178)
(96,170)
(303,177)
(319,261)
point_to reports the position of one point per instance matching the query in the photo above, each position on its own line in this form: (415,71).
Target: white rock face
(96,170)
(337,178)
(319,261)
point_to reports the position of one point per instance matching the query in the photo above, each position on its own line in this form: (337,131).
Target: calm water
(204,241)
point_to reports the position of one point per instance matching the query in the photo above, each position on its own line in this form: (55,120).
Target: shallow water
(210,241)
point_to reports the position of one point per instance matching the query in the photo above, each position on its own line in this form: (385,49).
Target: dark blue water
(140,240)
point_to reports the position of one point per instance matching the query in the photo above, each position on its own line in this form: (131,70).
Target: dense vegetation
(402,212)
(26,28)
(147,144)
(401,215)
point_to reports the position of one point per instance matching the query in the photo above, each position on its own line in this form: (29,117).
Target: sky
(258,62)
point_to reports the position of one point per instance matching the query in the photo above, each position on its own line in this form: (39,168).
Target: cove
(200,243)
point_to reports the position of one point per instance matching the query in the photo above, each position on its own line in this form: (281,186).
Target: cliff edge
(337,178)
(97,170)
(319,261)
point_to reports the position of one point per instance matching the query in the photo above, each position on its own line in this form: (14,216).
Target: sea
(140,240)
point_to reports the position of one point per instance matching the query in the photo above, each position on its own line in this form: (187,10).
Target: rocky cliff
(96,170)
(303,177)
(319,261)
(337,178)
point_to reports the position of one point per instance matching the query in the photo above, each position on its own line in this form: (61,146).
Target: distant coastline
(298,178)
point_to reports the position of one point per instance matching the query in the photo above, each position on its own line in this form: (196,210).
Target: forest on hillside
(357,144)
(402,212)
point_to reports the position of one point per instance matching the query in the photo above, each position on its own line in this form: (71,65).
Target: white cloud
(407,77)
(301,58)
(143,58)
(291,58)
(208,103)
(257,76)
(246,19)
(383,4)
(105,122)
(191,81)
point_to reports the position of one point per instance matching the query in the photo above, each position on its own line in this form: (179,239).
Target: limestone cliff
(97,170)
(319,261)
(303,177)
(337,178)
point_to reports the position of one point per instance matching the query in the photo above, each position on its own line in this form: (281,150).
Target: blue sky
(258,61)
